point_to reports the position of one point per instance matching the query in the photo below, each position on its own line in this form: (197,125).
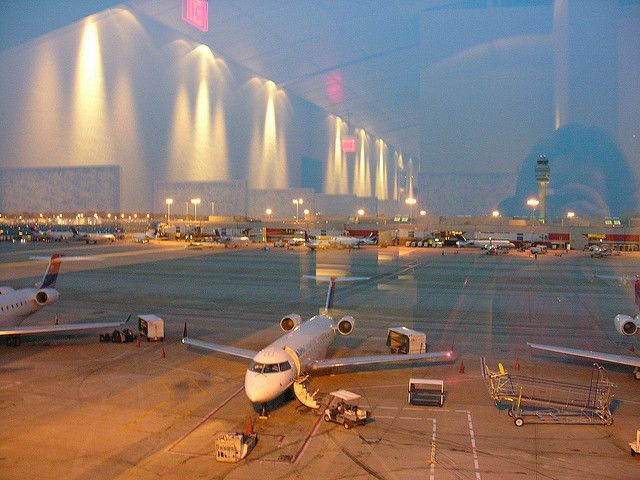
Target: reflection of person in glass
(589,175)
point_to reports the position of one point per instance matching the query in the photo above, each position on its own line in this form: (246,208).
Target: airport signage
(349,144)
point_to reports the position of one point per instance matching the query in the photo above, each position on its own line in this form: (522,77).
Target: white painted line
(388,408)
(483,368)
(461,411)
(207,417)
(473,446)
(384,416)
(410,418)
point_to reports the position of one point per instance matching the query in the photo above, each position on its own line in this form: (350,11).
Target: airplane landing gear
(264,412)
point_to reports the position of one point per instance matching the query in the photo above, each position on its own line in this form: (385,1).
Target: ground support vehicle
(538,400)
(347,414)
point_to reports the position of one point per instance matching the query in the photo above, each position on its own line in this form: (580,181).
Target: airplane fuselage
(275,367)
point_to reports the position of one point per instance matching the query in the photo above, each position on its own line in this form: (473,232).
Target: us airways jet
(624,325)
(16,305)
(302,349)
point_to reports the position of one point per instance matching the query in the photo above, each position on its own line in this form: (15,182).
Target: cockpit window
(256,367)
(284,366)
(269,367)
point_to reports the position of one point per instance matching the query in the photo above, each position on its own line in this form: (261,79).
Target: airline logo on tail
(51,275)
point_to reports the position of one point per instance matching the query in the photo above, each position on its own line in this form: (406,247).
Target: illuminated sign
(349,144)
(196,13)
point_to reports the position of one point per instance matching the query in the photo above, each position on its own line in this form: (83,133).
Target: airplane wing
(604,357)
(236,352)
(68,327)
(376,359)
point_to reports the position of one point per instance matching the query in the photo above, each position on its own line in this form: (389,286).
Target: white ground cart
(346,413)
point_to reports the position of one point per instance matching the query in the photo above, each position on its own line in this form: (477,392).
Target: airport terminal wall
(121,88)
(53,190)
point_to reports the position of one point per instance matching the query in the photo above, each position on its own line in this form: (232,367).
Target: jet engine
(626,325)
(46,296)
(291,321)
(345,325)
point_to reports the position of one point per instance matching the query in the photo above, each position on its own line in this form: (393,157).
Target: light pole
(213,207)
(297,202)
(411,202)
(533,203)
(268,211)
(186,204)
(196,202)
(169,202)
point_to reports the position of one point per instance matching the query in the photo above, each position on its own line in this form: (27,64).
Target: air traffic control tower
(542,177)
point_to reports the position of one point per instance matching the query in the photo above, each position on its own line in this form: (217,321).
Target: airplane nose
(260,388)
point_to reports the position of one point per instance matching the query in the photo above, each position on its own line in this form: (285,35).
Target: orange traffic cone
(249,431)
(517,365)
(461,367)
(138,342)
(163,355)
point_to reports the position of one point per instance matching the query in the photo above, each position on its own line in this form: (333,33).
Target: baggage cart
(539,400)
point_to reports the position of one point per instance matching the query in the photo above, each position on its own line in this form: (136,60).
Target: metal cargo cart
(538,400)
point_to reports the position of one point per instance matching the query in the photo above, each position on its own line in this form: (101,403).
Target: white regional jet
(16,305)
(487,243)
(340,241)
(92,237)
(625,325)
(303,349)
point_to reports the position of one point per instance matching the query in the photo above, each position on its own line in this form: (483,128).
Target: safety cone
(163,354)
(461,367)
(517,368)
(249,431)
(138,342)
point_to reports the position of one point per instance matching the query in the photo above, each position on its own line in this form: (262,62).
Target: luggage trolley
(538,400)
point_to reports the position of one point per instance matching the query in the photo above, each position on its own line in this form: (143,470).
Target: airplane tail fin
(637,289)
(51,274)
(328,305)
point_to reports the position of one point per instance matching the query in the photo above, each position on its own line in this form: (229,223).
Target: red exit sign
(349,144)
(196,14)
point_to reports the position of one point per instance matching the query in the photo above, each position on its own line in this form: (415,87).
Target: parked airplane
(302,349)
(144,237)
(92,237)
(340,241)
(233,239)
(51,235)
(624,324)
(485,243)
(16,305)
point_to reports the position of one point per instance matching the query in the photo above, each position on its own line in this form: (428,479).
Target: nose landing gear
(264,412)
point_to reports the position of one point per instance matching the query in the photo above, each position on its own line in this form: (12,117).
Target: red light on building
(196,13)
(333,86)
(349,144)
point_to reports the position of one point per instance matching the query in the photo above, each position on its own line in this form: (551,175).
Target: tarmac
(74,408)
